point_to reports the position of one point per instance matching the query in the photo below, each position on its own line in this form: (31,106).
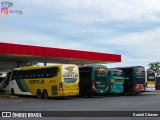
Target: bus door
(128,80)
(86,78)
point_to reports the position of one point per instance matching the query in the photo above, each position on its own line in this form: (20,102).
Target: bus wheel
(12,91)
(39,94)
(45,94)
(90,95)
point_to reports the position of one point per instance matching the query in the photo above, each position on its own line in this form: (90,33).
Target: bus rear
(139,79)
(116,80)
(70,81)
(100,81)
(93,80)
(134,79)
(150,80)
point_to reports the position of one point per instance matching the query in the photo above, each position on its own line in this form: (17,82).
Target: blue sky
(130,28)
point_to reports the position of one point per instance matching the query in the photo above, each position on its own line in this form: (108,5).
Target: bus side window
(38,73)
(54,71)
(51,72)
(8,76)
(48,72)
(28,73)
(109,75)
(41,73)
(14,75)
(21,74)
(25,74)
(33,73)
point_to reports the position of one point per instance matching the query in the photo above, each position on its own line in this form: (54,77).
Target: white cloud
(142,43)
(90,11)
(137,48)
(29,38)
(52,23)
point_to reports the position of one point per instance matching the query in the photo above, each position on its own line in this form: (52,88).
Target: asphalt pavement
(148,101)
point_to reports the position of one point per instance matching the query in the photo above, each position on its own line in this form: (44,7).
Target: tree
(155,66)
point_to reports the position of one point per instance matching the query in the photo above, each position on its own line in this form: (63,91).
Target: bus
(44,81)
(158,82)
(150,80)
(116,80)
(2,77)
(93,80)
(134,79)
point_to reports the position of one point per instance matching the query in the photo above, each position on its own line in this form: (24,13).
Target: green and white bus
(116,80)
(150,80)
(93,80)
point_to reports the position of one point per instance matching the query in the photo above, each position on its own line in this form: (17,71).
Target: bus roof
(150,71)
(39,67)
(92,66)
(127,67)
(113,69)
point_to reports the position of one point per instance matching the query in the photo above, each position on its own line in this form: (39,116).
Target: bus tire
(63,97)
(90,95)
(12,91)
(39,94)
(45,94)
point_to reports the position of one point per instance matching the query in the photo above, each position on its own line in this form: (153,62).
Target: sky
(130,28)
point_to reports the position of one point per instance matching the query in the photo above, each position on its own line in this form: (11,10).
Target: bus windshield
(117,74)
(151,77)
(1,79)
(140,70)
(70,80)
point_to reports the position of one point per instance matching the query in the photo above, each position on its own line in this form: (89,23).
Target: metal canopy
(25,53)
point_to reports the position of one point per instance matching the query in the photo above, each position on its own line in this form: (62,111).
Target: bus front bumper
(116,91)
(150,89)
(95,92)
(70,93)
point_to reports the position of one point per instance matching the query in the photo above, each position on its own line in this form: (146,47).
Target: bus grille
(118,80)
(140,80)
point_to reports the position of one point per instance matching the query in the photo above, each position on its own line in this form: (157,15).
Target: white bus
(2,77)
(150,81)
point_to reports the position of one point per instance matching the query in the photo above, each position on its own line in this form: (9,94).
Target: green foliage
(155,66)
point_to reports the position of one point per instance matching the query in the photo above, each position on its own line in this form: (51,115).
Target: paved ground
(149,101)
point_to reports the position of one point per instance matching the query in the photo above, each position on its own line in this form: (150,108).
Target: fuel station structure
(17,55)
